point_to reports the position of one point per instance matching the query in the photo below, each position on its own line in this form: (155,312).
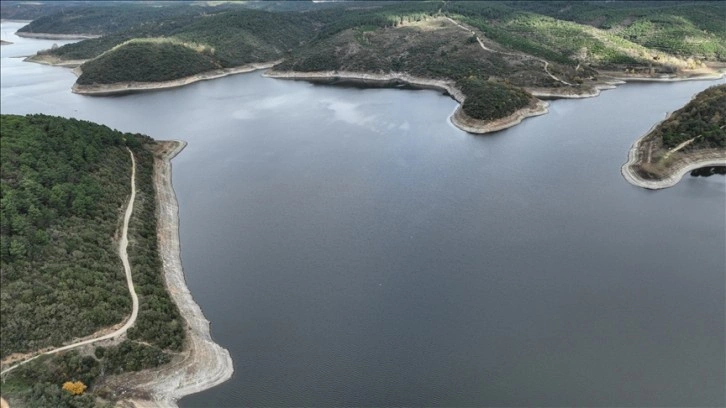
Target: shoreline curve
(121,88)
(50,36)
(203,363)
(459,118)
(676,173)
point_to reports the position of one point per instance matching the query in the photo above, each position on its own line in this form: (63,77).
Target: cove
(351,247)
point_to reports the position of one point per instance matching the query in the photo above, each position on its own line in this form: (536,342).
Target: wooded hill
(575,39)
(65,184)
(698,130)
(106,18)
(703,119)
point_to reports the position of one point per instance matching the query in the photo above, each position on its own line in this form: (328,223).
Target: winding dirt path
(122,246)
(514,54)
(203,363)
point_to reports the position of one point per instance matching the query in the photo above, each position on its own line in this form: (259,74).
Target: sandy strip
(459,118)
(47,36)
(203,364)
(573,93)
(47,59)
(132,87)
(710,76)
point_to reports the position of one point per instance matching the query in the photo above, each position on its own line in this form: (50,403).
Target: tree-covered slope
(236,37)
(702,120)
(695,133)
(432,47)
(64,186)
(683,28)
(154,60)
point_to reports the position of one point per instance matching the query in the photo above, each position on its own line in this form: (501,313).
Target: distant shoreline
(48,36)
(682,166)
(460,119)
(134,87)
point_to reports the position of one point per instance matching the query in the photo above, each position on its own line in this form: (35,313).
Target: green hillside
(154,60)
(237,37)
(680,28)
(695,132)
(703,119)
(109,17)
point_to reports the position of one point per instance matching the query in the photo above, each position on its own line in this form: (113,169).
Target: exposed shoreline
(134,87)
(459,118)
(462,121)
(49,36)
(704,76)
(203,363)
(46,59)
(684,164)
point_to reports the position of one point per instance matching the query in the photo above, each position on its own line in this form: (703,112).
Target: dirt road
(514,54)
(123,244)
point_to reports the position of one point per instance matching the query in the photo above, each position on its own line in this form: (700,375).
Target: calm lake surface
(352,248)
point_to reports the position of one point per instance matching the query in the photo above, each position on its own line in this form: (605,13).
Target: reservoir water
(352,248)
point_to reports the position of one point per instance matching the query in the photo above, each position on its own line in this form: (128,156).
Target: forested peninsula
(690,138)
(498,57)
(65,189)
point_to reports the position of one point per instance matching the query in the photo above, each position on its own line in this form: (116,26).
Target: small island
(688,139)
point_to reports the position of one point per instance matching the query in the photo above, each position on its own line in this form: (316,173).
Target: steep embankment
(692,137)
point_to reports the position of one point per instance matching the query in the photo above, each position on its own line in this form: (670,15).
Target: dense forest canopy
(64,185)
(702,120)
